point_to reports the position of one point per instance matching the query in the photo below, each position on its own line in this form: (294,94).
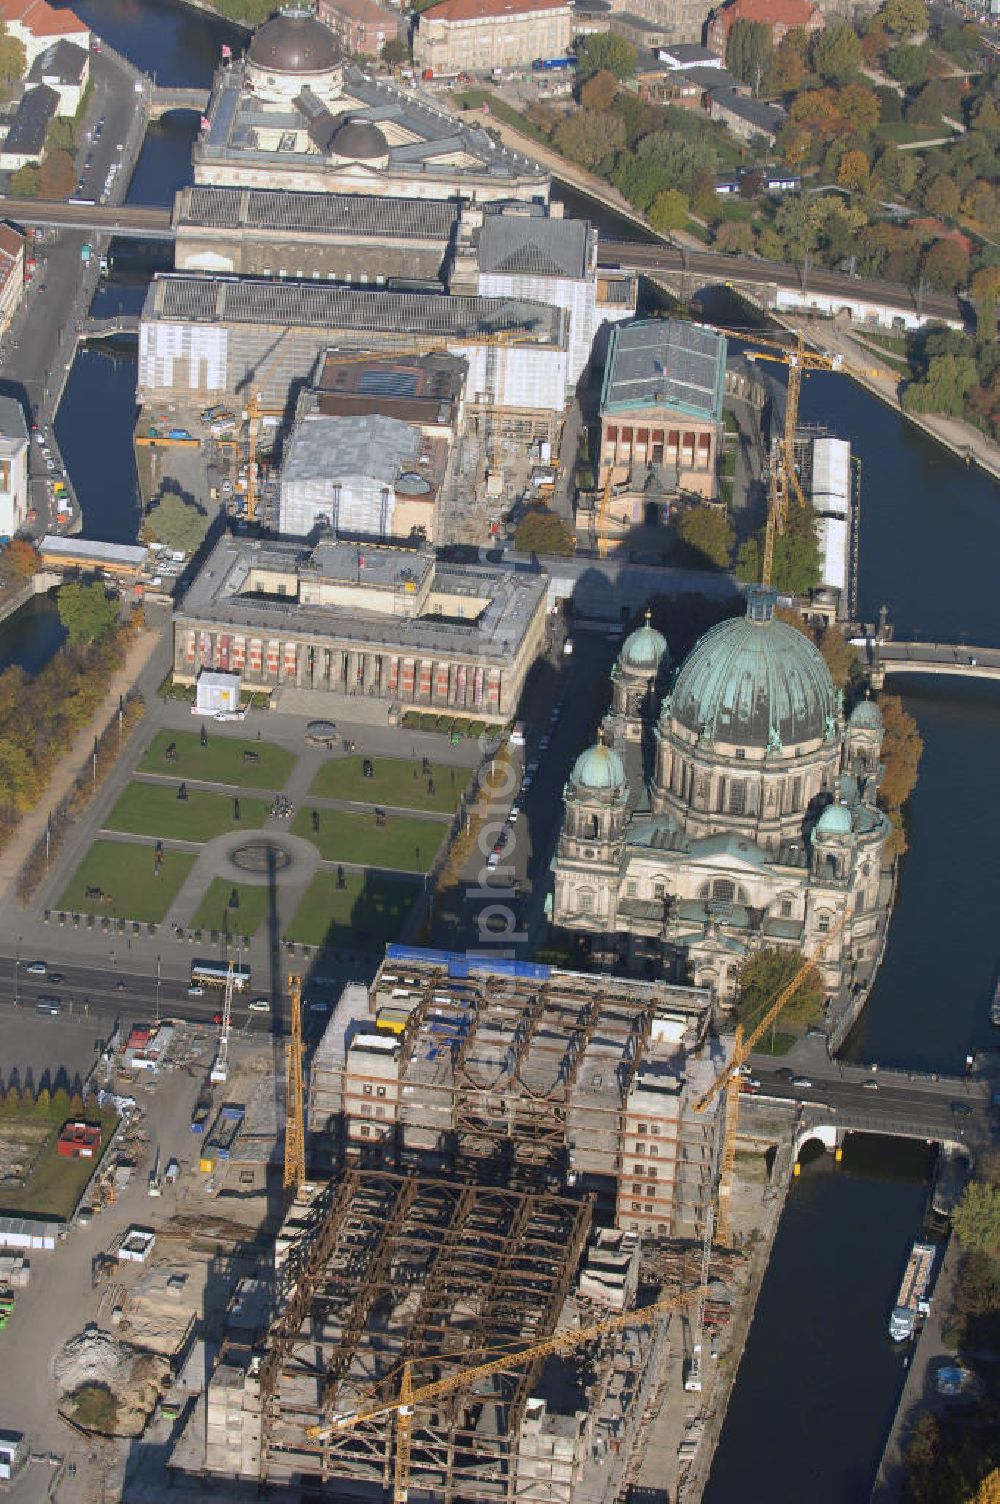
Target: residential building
(750,119)
(11,272)
(758,825)
(360,26)
(641,31)
(293,115)
(392,624)
(478,35)
(13,466)
(25,139)
(678,22)
(661,408)
(38,25)
(65,67)
(780,16)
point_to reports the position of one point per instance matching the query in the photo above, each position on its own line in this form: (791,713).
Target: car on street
(50,463)
(259,1005)
(493,861)
(40,439)
(545,743)
(801,1081)
(961,1109)
(50,1005)
(195,991)
(55,977)
(37,969)
(216,1018)
(869,1085)
(513,814)
(526,782)
(784,1074)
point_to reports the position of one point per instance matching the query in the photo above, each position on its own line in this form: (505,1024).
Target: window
(741,753)
(786,908)
(246,1177)
(637,1206)
(631,888)
(654,1150)
(640,1148)
(380,1091)
(641,1128)
(723,891)
(737,798)
(649,1208)
(651,1171)
(823,924)
(658,890)
(366,1110)
(367,1088)
(655,1130)
(586,902)
(637,1188)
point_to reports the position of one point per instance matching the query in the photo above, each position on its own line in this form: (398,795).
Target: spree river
(819,1379)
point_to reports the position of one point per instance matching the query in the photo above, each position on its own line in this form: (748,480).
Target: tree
(176,523)
(944,389)
(668,211)
(748,52)
(818,113)
(941,196)
(946,265)
(907,65)
(787,72)
(20,558)
(875,43)
(836,53)
(854,170)
(890,105)
(590,138)
(735,237)
(981,203)
(395,52)
(57,175)
(928,106)
(13,58)
(860,106)
(763,976)
(542,531)
(706,538)
(598,92)
(976,1218)
(604,50)
(24,182)
(87,612)
(796,568)
(902,749)
(985,290)
(904,16)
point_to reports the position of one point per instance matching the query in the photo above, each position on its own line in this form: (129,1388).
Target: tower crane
(220,1066)
(295,1124)
(729,1078)
(403,1405)
(799,362)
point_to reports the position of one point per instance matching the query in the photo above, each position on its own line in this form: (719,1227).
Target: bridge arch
(826,1134)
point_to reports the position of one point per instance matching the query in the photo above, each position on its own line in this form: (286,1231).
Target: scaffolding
(399,1269)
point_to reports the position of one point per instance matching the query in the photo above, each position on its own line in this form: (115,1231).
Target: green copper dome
(755,681)
(600,767)
(644,648)
(835,821)
(866,716)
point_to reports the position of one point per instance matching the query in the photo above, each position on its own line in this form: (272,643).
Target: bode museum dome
(728,806)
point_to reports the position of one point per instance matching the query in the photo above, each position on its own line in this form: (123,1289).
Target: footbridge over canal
(887,658)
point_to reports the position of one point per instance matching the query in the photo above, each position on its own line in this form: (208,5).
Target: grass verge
(153,809)
(396,781)
(404,842)
(222,761)
(125,875)
(214,913)
(363,915)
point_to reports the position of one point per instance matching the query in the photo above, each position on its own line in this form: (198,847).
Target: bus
(552,64)
(216,973)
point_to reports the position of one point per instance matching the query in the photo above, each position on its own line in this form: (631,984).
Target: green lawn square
(124,874)
(403,842)
(222,761)
(364,915)
(153,809)
(214,913)
(392,783)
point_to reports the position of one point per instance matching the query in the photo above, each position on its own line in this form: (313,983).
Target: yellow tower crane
(799,361)
(730,1077)
(295,1123)
(402,1406)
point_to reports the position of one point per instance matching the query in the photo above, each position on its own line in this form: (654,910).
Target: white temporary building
(217,693)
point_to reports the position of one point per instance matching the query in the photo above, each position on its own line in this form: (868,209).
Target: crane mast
(295,1127)
(220,1066)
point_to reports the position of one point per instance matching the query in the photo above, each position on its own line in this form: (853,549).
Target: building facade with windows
(757,825)
(13,468)
(391,624)
(479,35)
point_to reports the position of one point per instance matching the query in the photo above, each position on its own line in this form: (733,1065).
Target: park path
(32,827)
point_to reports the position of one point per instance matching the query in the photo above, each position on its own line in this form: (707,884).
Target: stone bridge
(162,100)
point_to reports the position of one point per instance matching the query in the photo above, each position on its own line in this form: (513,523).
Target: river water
(819,1379)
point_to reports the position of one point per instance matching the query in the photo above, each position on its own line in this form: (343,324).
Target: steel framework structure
(404,1270)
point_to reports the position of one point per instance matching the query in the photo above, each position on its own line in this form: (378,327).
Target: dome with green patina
(645,648)
(866,716)
(835,821)
(755,681)
(600,767)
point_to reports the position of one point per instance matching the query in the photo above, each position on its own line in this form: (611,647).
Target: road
(878,1101)
(135,222)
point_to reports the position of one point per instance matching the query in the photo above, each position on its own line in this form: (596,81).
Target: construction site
(478,1299)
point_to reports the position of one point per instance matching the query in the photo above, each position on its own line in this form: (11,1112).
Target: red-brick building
(781,16)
